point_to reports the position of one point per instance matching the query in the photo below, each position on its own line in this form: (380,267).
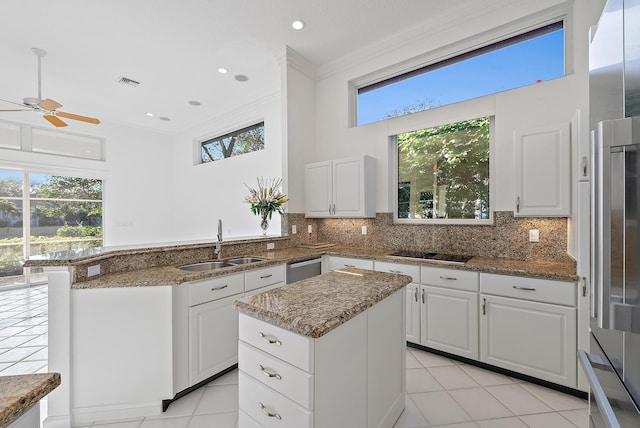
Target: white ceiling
(174,47)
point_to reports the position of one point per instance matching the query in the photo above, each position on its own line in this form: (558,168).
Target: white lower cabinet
(413,306)
(354,376)
(208,323)
(450,321)
(213,338)
(533,333)
(338,262)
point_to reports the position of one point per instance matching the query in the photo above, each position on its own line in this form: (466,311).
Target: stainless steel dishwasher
(297,271)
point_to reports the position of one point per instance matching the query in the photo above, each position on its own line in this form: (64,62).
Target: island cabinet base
(352,376)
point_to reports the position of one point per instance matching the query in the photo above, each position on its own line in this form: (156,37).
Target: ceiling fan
(48,107)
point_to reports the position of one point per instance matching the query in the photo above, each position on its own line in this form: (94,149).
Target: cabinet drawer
(210,289)
(284,344)
(288,380)
(449,278)
(269,408)
(259,278)
(411,270)
(539,290)
(336,262)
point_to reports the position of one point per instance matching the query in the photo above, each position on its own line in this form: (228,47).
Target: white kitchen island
(327,351)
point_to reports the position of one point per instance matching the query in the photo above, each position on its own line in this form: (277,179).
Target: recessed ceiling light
(241,78)
(297,24)
(194,103)
(150,114)
(223,70)
(164,118)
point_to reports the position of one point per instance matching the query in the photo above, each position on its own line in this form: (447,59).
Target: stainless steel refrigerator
(612,364)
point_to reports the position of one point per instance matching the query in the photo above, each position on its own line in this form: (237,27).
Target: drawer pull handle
(349,265)
(272,341)
(222,287)
(451,278)
(517,287)
(395,271)
(267,374)
(266,276)
(416,294)
(268,413)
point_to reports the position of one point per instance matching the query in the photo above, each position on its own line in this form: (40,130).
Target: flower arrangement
(266,199)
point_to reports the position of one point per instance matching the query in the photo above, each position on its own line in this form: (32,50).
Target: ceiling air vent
(128,82)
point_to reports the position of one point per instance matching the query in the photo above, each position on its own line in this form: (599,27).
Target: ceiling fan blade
(12,102)
(78,117)
(22,109)
(54,120)
(49,104)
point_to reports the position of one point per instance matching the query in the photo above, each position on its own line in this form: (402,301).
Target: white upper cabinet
(542,172)
(340,188)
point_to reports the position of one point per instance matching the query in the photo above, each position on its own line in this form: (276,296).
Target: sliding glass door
(45,213)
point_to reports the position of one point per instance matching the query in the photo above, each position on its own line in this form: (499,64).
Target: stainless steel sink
(205,266)
(244,260)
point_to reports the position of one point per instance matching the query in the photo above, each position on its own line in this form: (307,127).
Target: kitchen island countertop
(315,306)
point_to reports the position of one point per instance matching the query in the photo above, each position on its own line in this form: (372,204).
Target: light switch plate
(364,230)
(309,229)
(270,245)
(534,235)
(294,229)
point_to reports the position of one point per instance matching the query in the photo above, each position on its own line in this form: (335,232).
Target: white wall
(200,194)
(529,107)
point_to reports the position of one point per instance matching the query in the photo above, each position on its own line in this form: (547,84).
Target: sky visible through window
(535,60)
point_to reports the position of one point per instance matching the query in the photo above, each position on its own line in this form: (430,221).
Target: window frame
(393,177)
(199,142)
(560,13)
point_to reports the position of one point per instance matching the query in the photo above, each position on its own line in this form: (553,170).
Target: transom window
(443,173)
(245,140)
(528,58)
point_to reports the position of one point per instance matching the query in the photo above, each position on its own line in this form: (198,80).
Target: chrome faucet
(218,250)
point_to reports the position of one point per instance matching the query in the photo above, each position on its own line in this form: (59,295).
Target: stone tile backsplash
(508,237)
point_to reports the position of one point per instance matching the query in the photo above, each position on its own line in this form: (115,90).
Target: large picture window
(443,173)
(525,59)
(245,140)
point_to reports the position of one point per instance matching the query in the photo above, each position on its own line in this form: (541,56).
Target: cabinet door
(537,339)
(413,308)
(318,186)
(348,190)
(450,321)
(542,172)
(213,338)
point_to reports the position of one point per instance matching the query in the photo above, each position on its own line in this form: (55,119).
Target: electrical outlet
(270,245)
(294,229)
(364,230)
(534,235)
(309,229)
(93,270)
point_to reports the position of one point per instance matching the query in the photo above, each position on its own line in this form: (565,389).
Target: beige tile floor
(441,392)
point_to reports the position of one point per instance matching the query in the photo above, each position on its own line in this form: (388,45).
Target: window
(245,140)
(525,59)
(41,213)
(443,173)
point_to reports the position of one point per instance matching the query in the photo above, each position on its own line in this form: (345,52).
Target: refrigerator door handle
(606,411)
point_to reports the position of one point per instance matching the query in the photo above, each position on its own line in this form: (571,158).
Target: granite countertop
(141,276)
(315,306)
(19,393)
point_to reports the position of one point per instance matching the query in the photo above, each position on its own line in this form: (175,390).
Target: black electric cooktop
(435,257)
